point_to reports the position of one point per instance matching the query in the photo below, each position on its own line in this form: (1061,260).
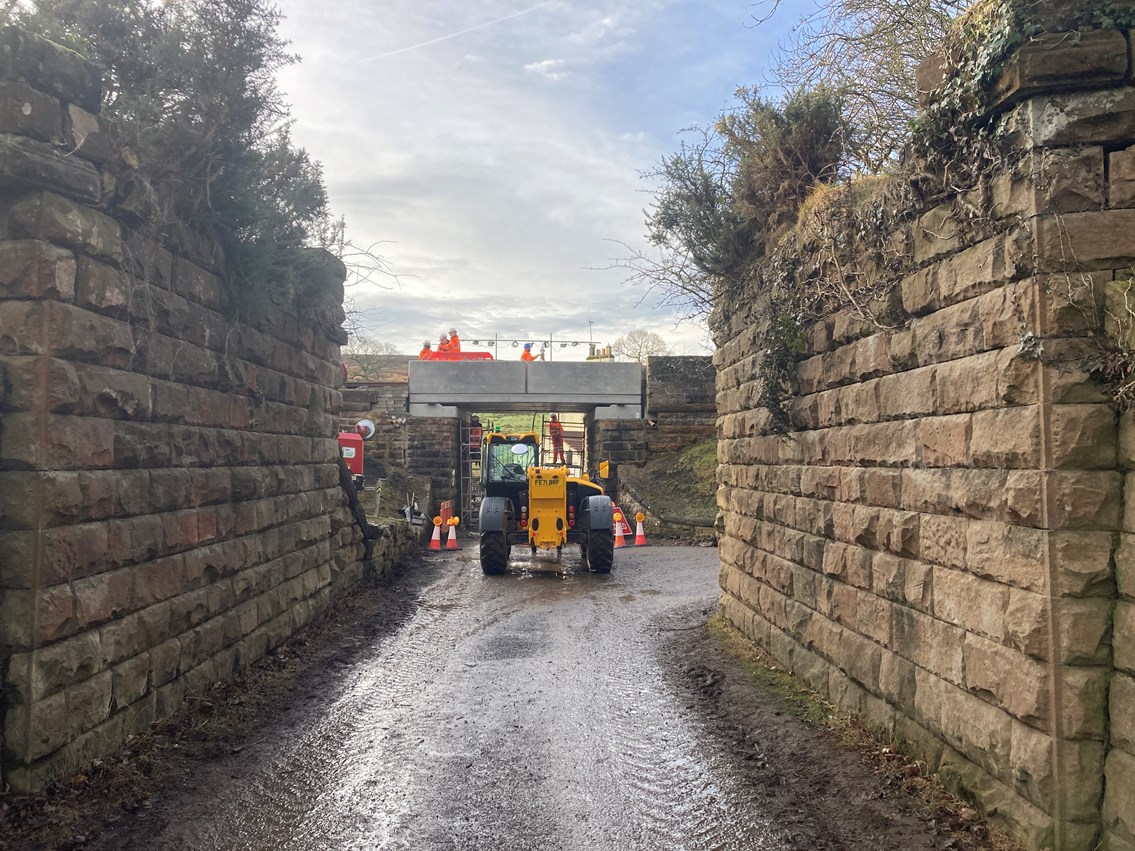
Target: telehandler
(543,507)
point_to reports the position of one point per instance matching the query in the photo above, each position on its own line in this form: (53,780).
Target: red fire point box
(351,448)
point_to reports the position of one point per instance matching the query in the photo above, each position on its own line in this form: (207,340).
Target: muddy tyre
(494,553)
(600,550)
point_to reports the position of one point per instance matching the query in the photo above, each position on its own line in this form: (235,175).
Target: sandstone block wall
(170,502)
(935,549)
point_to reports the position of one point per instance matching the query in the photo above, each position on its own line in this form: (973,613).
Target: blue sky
(493,149)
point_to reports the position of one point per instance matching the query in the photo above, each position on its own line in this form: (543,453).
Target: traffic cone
(435,541)
(451,539)
(620,540)
(639,534)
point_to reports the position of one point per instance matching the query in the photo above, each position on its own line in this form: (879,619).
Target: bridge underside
(611,390)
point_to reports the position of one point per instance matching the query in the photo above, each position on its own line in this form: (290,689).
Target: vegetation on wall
(867,50)
(730,190)
(202,131)
(742,234)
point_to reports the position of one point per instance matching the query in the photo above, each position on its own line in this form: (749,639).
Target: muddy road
(544,709)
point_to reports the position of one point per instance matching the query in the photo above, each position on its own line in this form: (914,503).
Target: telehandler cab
(543,507)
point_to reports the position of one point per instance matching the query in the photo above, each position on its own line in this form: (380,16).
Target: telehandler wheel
(600,550)
(494,553)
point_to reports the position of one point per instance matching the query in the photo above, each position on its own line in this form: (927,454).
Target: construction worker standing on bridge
(527,355)
(426,351)
(443,343)
(556,433)
(454,340)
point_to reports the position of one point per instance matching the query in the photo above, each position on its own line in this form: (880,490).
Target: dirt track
(542,709)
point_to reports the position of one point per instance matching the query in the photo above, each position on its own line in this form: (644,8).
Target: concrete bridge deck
(611,390)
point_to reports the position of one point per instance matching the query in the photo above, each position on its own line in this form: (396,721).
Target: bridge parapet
(612,390)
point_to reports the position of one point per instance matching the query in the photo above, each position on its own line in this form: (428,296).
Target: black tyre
(600,550)
(494,553)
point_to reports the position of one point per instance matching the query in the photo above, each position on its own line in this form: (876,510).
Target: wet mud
(548,708)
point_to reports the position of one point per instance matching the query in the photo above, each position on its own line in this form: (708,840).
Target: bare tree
(867,51)
(639,345)
(370,360)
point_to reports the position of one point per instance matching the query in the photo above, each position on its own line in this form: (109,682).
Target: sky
(491,152)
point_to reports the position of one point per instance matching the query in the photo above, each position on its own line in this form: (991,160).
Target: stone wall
(170,497)
(934,549)
(680,409)
(384,403)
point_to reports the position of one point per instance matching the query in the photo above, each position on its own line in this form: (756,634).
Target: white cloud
(496,194)
(548,68)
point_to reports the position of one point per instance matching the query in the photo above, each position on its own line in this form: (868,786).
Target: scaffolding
(469,464)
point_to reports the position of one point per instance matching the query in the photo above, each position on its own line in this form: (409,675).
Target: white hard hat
(452,330)
(426,344)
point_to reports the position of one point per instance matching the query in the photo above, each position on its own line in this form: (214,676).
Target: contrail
(456,34)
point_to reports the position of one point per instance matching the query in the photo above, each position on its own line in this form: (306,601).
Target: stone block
(85,135)
(920,296)
(1006,437)
(1084,500)
(27,163)
(1083,437)
(929,643)
(1014,555)
(1011,496)
(32,441)
(103,597)
(103,288)
(51,217)
(1083,701)
(967,723)
(1070,180)
(1124,636)
(1123,712)
(1075,242)
(65,663)
(1082,562)
(1074,118)
(943,540)
(1051,61)
(35,269)
(63,330)
(1121,178)
(196,284)
(970,602)
(1119,798)
(936,234)
(49,68)
(963,385)
(27,112)
(1006,678)
(130,680)
(946,440)
(1026,623)
(1084,630)
(908,394)
(165,662)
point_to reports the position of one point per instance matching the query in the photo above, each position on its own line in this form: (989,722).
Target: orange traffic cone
(451,538)
(620,539)
(639,534)
(435,541)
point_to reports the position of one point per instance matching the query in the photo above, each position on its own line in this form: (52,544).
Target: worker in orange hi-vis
(443,343)
(527,355)
(556,433)
(454,340)
(426,351)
